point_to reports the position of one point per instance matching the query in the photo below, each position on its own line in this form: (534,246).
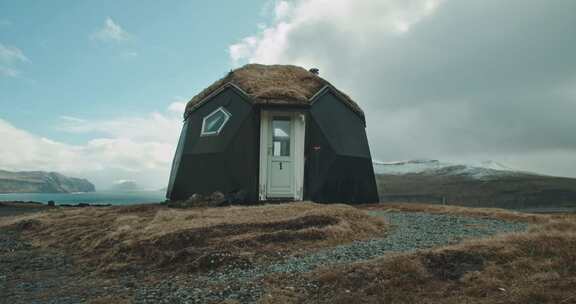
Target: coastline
(100,197)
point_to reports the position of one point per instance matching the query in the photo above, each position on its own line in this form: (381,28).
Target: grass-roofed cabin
(268,132)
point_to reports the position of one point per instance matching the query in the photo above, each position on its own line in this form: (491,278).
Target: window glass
(281,136)
(215,121)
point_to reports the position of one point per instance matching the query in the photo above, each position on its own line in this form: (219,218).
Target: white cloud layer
(356,21)
(450,79)
(111,32)
(135,148)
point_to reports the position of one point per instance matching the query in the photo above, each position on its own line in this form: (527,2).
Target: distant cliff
(125,186)
(42,182)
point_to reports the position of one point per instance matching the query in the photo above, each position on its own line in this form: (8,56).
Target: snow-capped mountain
(480,184)
(478,170)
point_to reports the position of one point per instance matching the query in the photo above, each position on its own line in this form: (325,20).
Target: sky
(96,89)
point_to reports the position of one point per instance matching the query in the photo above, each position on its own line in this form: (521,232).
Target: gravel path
(30,275)
(25,272)
(411,231)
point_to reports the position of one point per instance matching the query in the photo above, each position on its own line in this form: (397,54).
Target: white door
(281,155)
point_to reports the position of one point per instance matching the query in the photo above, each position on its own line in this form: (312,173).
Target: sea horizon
(97,197)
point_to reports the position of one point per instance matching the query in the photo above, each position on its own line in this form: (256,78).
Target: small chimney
(314,71)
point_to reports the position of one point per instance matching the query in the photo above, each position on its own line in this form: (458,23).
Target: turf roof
(272,85)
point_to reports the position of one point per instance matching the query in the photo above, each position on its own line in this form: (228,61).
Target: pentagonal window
(214,122)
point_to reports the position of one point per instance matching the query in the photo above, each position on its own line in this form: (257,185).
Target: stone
(237,197)
(195,198)
(217,198)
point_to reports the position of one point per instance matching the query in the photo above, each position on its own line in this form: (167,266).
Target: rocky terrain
(41,182)
(487,184)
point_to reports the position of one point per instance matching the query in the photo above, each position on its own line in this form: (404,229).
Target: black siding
(227,162)
(338,165)
(338,162)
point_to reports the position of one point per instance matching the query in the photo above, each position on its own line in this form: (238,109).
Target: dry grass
(21,204)
(272,84)
(467,211)
(538,266)
(118,238)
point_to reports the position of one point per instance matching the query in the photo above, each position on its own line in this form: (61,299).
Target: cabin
(273,132)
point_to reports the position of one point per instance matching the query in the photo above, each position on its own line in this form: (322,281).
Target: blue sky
(96,89)
(168,52)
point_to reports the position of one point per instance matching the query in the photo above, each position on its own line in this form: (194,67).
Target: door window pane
(281,136)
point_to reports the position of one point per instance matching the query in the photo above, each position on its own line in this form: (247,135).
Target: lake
(114,198)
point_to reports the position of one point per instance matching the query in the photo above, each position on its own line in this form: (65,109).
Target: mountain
(125,185)
(483,184)
(484,170)
(41,182)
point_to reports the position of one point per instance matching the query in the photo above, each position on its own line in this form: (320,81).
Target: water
(114,198)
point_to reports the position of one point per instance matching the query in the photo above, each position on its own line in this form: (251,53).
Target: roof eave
(330,88)
(204,100)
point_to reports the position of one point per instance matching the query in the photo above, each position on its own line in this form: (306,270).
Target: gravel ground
(32,275)
(410,232)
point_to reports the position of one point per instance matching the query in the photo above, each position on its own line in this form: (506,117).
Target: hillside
(41,182)
(487,184)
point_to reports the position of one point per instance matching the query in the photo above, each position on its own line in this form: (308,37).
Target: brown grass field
(536,266)
(154,236)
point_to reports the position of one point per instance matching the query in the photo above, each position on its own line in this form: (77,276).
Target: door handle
(280,165)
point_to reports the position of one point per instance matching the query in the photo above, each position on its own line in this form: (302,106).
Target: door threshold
(279,199)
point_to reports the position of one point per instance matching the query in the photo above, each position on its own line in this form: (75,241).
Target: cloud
(282,10)
(111,32)
(136,148)
(441,79)
(154,127)
(243,50)
(9,72)
(11,54)
(336,17)
(10,58)
(177,107)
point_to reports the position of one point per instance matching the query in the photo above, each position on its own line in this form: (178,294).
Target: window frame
(227,117)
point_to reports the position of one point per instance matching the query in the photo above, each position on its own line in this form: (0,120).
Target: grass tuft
(198,239)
